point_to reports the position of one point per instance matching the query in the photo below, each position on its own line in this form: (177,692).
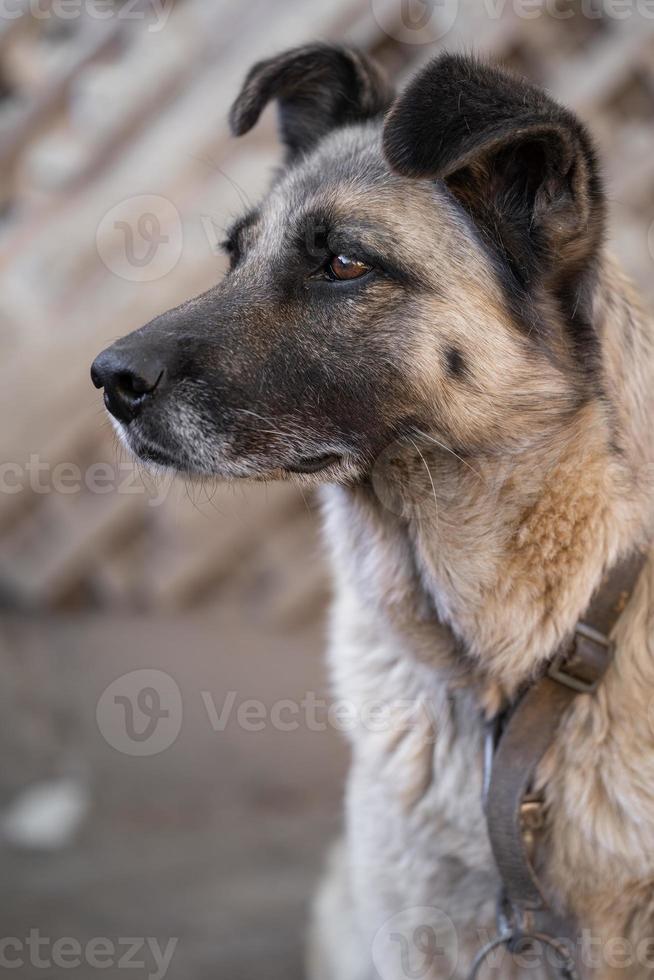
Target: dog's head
(420,264)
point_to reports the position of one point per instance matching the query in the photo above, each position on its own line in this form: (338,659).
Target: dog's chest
(417,733)
(417,834)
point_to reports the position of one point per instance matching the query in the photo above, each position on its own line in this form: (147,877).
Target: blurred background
(166,769)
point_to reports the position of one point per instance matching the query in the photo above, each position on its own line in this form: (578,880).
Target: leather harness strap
(525,733)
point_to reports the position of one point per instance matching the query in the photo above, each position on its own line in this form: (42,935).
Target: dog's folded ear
(318,87)
(521,165)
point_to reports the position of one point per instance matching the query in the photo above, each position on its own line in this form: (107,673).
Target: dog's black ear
(522,166)
(318,87)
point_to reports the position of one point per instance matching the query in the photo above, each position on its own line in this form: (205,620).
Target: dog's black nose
(128,379)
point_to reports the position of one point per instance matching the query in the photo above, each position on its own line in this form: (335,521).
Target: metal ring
(567,968)
(485,952)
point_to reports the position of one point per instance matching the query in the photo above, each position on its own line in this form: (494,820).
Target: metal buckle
(532,821)
(558,669)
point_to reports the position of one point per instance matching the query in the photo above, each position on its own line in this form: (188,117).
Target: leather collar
(516,744)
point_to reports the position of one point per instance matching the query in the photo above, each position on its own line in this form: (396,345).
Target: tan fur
(505,551)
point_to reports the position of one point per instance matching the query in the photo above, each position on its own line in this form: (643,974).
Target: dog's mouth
(158,456)
(153,452)
(313,464)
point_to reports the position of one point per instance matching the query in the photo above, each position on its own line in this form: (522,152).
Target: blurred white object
(55,160)
(46,816)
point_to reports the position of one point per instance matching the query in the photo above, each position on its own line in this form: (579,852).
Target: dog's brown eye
(342,267)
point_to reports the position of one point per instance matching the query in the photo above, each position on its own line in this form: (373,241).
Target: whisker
(276,431)
(431,479)
(210,162)
(453,453)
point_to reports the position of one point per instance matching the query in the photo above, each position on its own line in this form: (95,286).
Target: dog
(422,319)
